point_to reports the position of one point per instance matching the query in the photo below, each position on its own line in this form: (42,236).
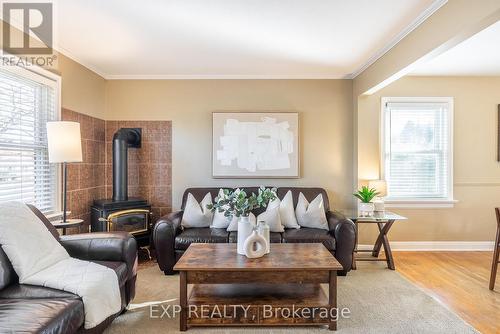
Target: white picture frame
(255,144)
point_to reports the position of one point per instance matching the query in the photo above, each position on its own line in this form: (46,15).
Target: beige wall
(325,108)
(83,91)
(476,171)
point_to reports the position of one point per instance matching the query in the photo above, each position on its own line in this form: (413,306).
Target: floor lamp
(65,145)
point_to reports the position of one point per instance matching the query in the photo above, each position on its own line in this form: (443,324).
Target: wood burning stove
(122,213)
(132,215)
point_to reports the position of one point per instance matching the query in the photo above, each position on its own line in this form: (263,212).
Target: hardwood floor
(459,280)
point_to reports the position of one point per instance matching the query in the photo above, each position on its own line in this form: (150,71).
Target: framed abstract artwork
(255,144)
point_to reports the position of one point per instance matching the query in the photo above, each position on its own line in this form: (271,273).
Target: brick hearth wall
(86,179)
(149,167)
(149,170)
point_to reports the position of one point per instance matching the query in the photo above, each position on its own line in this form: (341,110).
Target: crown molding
(71,56)
(223,77)
(437,4)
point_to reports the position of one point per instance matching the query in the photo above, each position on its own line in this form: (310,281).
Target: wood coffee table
(280,289)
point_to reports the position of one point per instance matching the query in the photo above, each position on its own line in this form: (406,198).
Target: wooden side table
(384,221)
(68,224)
(496,253)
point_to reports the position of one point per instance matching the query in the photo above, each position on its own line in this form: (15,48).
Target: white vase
(379,205)
(245,228)
(263,230)
(255,246)
(366,209)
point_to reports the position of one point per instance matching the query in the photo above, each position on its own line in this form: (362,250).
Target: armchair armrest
(103,246)
(164,233)
(344,232)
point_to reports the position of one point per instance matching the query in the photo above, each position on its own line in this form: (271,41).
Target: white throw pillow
(233,225)
(196,214)
(272,216)
(311,214)
(287,212)
(220,221)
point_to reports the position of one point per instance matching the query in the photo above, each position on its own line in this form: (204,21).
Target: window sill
(420,204)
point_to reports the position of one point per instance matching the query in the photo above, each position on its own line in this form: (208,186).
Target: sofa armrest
(164,233)
(344,232)
(103,246)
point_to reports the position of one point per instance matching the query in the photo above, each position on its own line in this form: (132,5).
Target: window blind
(26,104)
(417,150)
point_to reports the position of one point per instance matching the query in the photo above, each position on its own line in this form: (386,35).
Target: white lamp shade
(65,142)
(380,186)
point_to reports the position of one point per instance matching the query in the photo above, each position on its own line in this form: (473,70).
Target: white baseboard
(437,246)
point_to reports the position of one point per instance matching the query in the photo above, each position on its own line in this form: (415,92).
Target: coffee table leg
(183,301)
(332,299)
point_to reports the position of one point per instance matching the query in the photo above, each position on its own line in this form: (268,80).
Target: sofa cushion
(311,214)
(197,214)
(41,315)
(309,235)
(200,235)
(275,237)
(27,291)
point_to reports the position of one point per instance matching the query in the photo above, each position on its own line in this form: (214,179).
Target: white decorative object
(39,259)
(245,228)
(287,211)
(234,222)
(255,246)
(379,205)
(196,214)
(255,144)
(272,216)
(366,209)
(311,214)
(381,187)
(264,230)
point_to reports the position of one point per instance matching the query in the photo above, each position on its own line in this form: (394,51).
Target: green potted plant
(238,203)
(366,195)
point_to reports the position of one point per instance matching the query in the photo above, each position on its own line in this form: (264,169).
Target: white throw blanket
(39,259)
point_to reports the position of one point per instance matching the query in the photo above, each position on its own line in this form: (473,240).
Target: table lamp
(65,145)
(381,187)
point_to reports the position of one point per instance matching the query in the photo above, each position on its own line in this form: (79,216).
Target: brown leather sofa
(171,240)
(34,309)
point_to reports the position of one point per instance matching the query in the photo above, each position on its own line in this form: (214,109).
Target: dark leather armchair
(33,309)
(171,240)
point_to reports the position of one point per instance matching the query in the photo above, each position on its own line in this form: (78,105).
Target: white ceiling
(233,38)
(478,55)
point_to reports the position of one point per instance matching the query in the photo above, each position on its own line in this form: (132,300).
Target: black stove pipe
(122,140)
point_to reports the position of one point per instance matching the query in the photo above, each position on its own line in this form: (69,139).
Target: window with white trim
(27,101)
(417,153)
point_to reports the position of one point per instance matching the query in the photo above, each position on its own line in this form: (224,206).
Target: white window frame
(419,203)
(46,77)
